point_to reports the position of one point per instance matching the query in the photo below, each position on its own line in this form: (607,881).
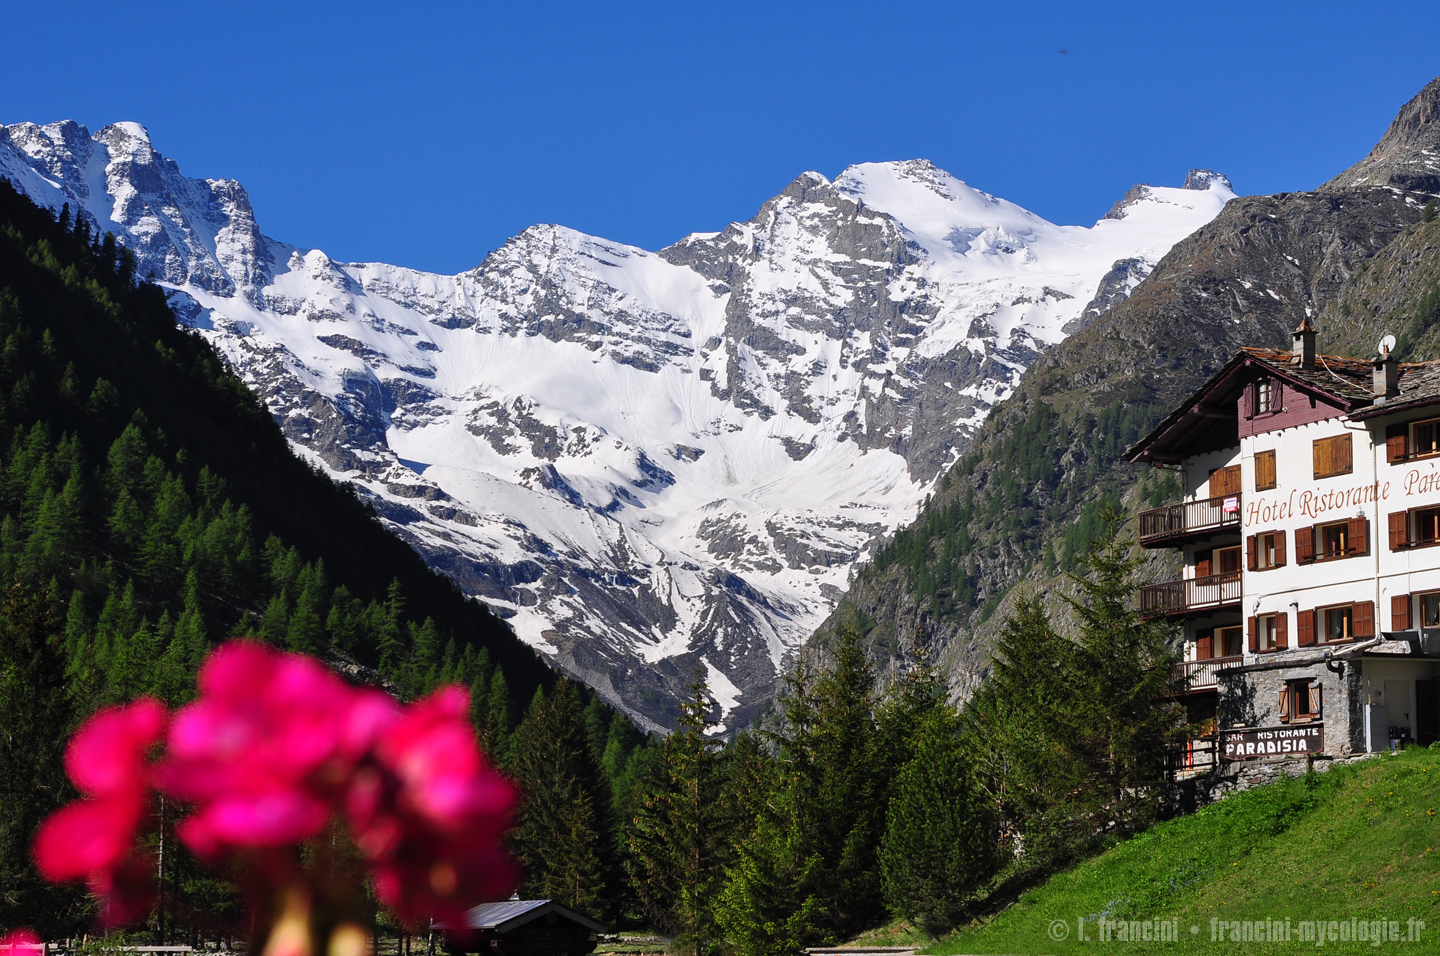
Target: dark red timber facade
(1309,529)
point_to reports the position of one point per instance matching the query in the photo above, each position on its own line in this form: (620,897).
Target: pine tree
(1127,715)
(808,872)
(682,831)
(941,837)
(35,719)
(564,838)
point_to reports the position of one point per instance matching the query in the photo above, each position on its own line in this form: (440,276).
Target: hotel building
(1310,536)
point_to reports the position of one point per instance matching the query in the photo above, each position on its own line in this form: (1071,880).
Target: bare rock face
(648,462)
(1408,155)
(1016,508)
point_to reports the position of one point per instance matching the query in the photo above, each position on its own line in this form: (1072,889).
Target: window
(1227,560)
(1265,632)
(1430,609)
(1424,439)
(1332,456)
(1338,623)
(1269,550)
(1334,540)
(1230,640)
(1427,526)
(1265,470)
(1299,701)
(1264,397)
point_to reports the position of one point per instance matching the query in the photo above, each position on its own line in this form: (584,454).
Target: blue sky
(425,134)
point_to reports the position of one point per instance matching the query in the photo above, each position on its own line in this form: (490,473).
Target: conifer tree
(941,839)
(35,719)
(563,838)
(808,872)
(680,837)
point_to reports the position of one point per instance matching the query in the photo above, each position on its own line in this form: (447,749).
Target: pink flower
(21,942)
(94,838)
(430,818)
(260,750)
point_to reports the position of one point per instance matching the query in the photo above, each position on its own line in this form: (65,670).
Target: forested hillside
(1024,499)
(150,508)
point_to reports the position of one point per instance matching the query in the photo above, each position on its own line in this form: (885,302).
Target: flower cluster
(276,749)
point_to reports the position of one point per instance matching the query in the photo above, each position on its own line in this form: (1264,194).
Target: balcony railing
(1201,674)
(1174,523)
(1177,598)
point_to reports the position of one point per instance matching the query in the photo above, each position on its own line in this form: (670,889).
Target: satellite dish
(1386,345)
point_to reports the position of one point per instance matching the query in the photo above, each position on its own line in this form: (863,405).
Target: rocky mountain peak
(1204,179)
(1408,155)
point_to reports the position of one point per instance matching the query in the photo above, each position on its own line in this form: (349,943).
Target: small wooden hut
(527,928)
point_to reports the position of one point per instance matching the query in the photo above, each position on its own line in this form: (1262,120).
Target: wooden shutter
(1395,438)
(1202,564)
(1282,629)
(1264,470)
(1304,628)
(1332,456)
(1363,619)
(1279,548)
(1204,644)
(1225,481)
(1284,705)
(1251,558)
(1314,700)
(1359,536)
(1399,532)
(1400,612)
(1305,545)
(1252,636)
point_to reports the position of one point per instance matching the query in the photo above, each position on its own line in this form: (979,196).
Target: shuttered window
(1282,630)
(1267,633)
(1399,531)
(1264,470)
(1304,628)
(1299,701)
(1204,644)
(1230,641)
(1304,545)
(1400,612)
(1332,456)
(1364,617)
(1225,481)
(1337,623)
(1265,550)
(1395,444)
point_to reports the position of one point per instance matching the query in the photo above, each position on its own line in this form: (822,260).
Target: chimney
(1385,376)
(1302,352)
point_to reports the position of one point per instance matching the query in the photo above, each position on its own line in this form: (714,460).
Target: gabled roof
(512,914)
(1209,419)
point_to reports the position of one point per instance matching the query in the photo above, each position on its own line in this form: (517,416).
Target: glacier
(648,462)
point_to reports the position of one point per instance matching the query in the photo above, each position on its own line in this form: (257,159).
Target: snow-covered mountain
(648,461)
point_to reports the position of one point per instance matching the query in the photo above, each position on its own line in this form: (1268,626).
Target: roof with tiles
(1195,427)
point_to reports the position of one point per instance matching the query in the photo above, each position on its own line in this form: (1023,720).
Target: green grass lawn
(1360,841)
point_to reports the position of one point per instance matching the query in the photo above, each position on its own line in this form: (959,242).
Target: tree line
(855,803)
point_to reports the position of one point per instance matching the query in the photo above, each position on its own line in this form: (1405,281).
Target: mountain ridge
(646,461)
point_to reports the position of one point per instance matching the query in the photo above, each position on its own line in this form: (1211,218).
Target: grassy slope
(1361,840)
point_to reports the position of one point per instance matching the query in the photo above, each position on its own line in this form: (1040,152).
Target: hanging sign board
(1231,505)
(1273,742)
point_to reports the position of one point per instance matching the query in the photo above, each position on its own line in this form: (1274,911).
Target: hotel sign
(1272,742)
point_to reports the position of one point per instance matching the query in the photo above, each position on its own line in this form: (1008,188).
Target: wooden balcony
(1189,521)
(1200,675)
(1190,596)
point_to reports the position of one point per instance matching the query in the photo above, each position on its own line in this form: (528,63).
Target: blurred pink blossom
(275,749)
